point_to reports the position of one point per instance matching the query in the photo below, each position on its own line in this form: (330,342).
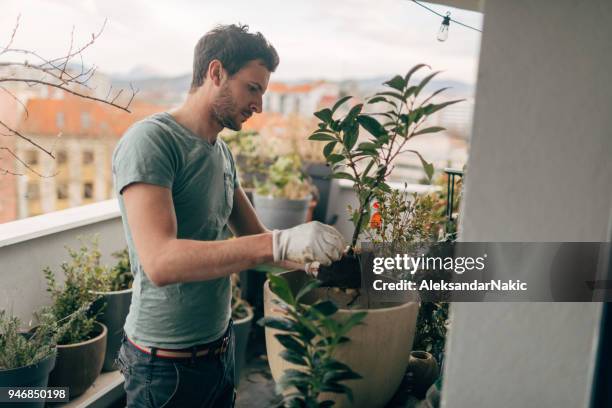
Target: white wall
(28,245)
(539,170)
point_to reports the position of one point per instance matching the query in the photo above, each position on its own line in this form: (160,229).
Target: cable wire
(454,21)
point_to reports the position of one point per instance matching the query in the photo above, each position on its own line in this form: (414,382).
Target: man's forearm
(182,260)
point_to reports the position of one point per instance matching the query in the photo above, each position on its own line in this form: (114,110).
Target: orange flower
(376,221)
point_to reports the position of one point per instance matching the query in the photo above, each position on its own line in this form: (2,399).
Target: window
(62,191)
(85,120)
(59,119)
(31,157)
(88,190)
(88,157)
(61,157)
(33,192)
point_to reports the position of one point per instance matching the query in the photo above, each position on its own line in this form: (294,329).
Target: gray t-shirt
(202,177)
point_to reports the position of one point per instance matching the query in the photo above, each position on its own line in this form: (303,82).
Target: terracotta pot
(79,364)
(423,368)
(379,349)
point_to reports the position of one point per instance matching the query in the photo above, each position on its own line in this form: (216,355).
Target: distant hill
(171,90)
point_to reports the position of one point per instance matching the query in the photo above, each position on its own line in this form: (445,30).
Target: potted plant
(242,314)
(307,333)
(81,343)
(26,359)
(283,200)
(367,164)
(251,162)
(115,297)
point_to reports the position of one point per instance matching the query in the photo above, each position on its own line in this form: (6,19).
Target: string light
(443,31)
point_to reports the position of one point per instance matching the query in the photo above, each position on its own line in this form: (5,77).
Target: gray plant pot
(242,329)
(78,365)
(113,317)
(280,213)
(34,375)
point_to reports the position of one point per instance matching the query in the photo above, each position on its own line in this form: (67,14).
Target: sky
(316,39)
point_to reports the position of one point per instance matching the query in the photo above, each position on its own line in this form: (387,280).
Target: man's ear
(216,72)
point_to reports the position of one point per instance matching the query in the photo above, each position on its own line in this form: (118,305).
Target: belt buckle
(224,345)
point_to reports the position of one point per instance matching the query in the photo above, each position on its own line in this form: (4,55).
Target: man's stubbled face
(225,109)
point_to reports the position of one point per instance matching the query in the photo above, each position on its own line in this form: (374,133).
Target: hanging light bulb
(443,31)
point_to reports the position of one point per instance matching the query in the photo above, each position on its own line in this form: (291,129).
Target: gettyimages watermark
(487,272)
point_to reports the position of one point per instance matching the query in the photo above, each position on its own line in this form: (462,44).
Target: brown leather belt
(183,353)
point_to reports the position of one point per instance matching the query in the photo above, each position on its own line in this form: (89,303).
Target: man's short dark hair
(234,46)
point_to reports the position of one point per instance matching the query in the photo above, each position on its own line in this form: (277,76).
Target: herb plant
(19,349)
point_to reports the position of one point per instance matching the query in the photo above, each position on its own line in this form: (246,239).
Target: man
(179,197)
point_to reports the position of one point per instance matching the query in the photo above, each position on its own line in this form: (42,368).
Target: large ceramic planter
(379,349)
(34,375)
(242,329)
(117,306)
(280,213)
(79,364)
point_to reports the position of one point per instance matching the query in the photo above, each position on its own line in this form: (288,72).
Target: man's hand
(306,243)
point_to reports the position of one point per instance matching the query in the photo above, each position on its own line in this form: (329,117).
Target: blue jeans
(155,382)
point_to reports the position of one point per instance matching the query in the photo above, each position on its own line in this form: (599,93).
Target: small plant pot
(34,375)
(78,365)
(280,213)
(116,307)
(242,329)
(423,368)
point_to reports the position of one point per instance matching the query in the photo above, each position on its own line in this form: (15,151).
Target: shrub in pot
(81,342)
(283,200)
(25,358)
(242,314)
(367,164)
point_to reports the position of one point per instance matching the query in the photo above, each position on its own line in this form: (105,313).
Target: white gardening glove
(306,243)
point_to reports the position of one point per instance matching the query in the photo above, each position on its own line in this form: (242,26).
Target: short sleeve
(144,155)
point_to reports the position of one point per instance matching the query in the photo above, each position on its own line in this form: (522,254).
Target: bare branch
(27,166)
(27,139)
(12,95)
(12,35)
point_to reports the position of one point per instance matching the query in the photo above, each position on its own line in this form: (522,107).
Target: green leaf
(428,167)
(424,82)
(323,137)
(290,343)
(397,82)
(278,323)
(367,146)
(327,308)
(413,70)
(339,103)
(435,93)
(384,187)
(371,125)
(431,108)
(335,376)
(342,175)
(293,357)
(395,95)
(325,115)
(307,288)
(352,321)
(432,129)
(329,148)
(350,137)
(377,99)
(335,158)
(411,90)
(280,287)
